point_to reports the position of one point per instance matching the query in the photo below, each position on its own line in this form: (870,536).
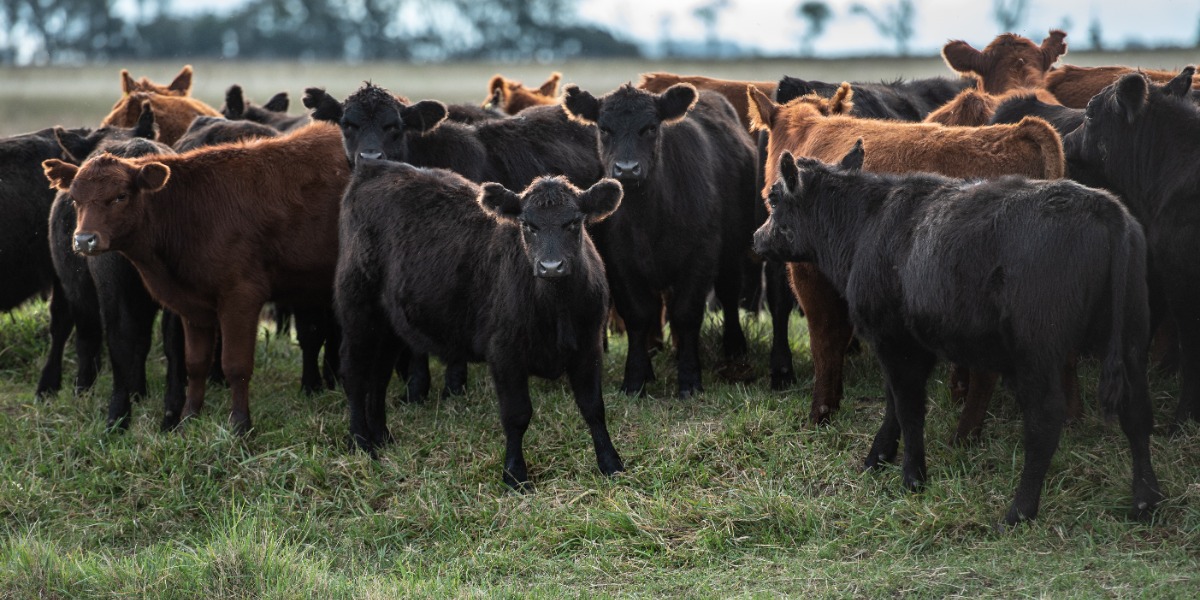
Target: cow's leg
(239,329)
(585,383)
(383,362)
(640,312)
(1136,417)
(829,333)
(960,383)
(310,333)
(89,339)
(61,324)
(331,365)
(512,393)
(1070,383)
(886,444)
(980,387)
(781,302)
(455,379)
(128,324)
(198,339)
(686,315)
(1189,370)
(417,379)
(174,349)
(728,290)
(364,364)
(1041,396)
(906,369)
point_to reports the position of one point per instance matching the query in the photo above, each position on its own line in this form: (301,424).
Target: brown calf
(1074,86)
(173,114)
(974,108)
(217,232)
(1010,61)
(180,86)
(734,91)
(821,128)
(511,96)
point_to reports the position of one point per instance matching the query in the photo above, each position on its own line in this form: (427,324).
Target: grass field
(728,494)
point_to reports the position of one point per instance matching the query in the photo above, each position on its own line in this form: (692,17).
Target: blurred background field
(75,96)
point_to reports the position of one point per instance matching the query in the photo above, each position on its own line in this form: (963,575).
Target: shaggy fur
(273,114)
(174,114)
(1074,86)
(973,108)
(901,100)
(1009,61)
(510,96)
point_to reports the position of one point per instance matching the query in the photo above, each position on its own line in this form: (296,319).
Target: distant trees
(709,14)
(1009,13)
(816,13)
(895,22)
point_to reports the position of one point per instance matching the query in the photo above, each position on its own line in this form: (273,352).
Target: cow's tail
(1130,315)
(1049,145)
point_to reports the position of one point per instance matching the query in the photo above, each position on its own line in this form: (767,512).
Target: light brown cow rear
(974,108)
(734,91)
(172,113)
(511,96)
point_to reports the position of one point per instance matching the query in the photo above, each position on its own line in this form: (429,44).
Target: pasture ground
(728,494)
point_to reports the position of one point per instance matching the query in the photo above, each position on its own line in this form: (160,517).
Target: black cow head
(108,193)
(630,122)
(552,213)
(77,146)
(374,122)
(783,237)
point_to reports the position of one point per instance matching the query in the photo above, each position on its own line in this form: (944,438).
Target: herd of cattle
(930,218)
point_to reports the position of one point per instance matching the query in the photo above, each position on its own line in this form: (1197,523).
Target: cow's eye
(390,127)
(648,130)
(120,198)
(573,226)
(350,126)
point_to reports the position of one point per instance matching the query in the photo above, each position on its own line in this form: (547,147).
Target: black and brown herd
(471,235)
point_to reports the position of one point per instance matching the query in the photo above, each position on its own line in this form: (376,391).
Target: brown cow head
(1010,61)
(630,123)
(109,194)
(180,86)
(786,124)
(511,97)
(552,213)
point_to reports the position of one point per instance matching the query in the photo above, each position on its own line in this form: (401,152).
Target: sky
(773,26)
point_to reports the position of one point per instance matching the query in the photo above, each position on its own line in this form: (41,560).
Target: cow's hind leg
(829,334)
(174,349)
(239,328)
(1039,390)
(906,368)
(311,325)
(1189,372)
(366,369)
(781,302)
(198,340)
(1136,419)
(980,387)
(61,324)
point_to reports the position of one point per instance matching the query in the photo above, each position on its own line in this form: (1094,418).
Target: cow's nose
(627,168)
(551,268)
(372,155)
(85,243)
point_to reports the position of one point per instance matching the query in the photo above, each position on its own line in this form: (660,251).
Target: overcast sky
(774,27)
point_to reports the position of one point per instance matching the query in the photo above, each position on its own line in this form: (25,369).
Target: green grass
(728,494)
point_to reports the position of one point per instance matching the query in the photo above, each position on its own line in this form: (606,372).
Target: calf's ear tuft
(854,158)
(1053,46)
(60,173)
(580,105)
(760,109)
(127,83)
(183,81)
(424,115)
(1130,98)
(963,58)
(550,86)
(278,103)
(153,176)
(674,103)
(601,200)
(789,174)
(235,102)
(324,107)
(1181,85)
(500,201)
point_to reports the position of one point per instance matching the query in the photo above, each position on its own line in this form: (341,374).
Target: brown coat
(973,108)
(734,91)
(173,114)
(1010,61)
(180,86)
(511,96)
(1074,86)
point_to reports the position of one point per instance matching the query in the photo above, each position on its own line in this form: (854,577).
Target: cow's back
(25,200)
(541,140)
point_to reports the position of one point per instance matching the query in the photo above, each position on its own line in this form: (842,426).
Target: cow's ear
(788,173)
(1181,85)
(278,103)
(424,115)
(580,105)
(235,102)
(962,57)
(324,107)
(146,126)
(1053,46)
(853,160)
(153,176)
(674,104)
(60,173)
(500,201)
(790,88)
(495,101)
(842,101)
(550,87)
(74,147)
(498,84)
(183,81)
(761,109)
(1130,98)
(601,200)
(127,83)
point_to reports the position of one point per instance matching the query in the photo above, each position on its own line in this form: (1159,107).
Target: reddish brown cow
(511,96)
(180,86)
(174,114)
(820,128)
(217,232)
(734,91)
(1010,61)
(973,108)
(1073,86)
